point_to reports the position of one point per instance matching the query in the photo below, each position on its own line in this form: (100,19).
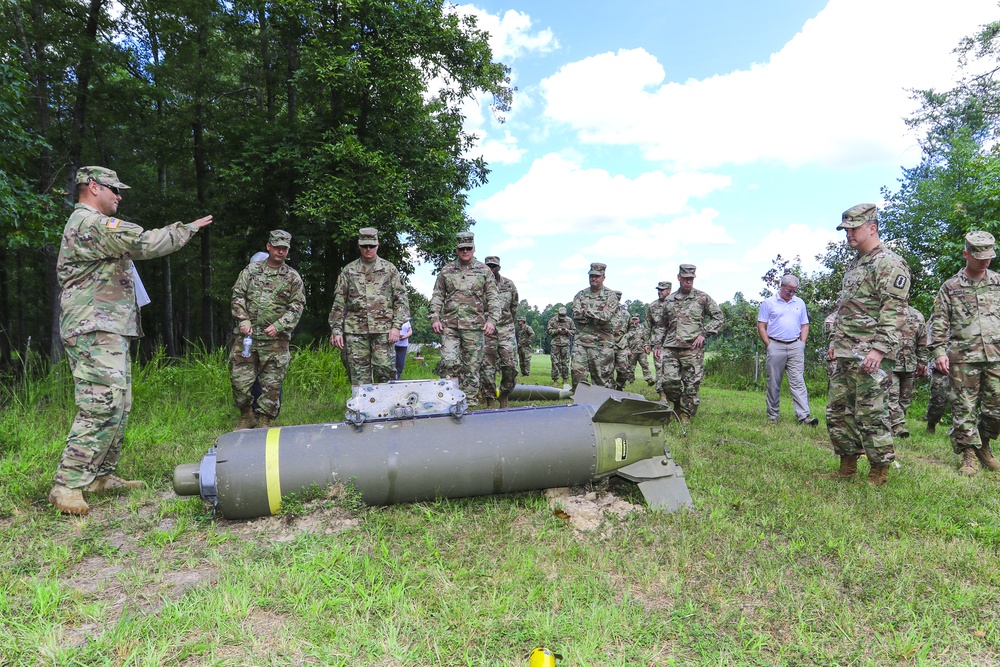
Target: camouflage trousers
(524,354)
(498,355)
(560,362)
(462,358)
(624,368)
(940,397)
(857,414)
(639,357)
(371,358)
(597,360)
(900,397)
(102,377)
(975,405)
(681,372)
(267,363)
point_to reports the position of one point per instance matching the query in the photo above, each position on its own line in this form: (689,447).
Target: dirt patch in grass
(587,510)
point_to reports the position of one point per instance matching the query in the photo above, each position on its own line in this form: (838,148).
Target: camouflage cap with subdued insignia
(279,237)
(101,175)
(597,269)
(522,319)
(858,215)
(664,285)
(367,236)
(686,271)
(465,240)
(562,311)
(980,245)
(492,260)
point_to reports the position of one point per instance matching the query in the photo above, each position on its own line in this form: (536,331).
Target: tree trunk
(4,311)
(201,177)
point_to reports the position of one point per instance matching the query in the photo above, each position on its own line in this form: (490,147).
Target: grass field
(773,567)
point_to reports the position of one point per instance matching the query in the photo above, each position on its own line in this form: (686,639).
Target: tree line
(313,116)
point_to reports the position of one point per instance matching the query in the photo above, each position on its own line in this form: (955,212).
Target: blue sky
(719,133)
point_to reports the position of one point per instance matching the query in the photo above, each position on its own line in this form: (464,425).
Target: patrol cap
(562,311)
(522,319)
(279,237)
(492,260)
(980,245)
(686,271)
(858,215)
(597,269)
(465,240)
(367,236)
(101,175)
(664,284)
(617,293)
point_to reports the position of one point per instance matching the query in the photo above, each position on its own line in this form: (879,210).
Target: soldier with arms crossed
(369,308)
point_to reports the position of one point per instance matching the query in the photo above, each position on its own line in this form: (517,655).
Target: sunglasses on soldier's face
(113,189)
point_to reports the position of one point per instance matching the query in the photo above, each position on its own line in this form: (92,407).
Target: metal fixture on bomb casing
(539,392)
(389,460)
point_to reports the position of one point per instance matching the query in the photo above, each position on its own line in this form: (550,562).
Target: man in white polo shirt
(783,325)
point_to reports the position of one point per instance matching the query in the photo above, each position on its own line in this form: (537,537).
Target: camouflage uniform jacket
(263,296)
(593,313)
(560,328)
(653,311)
(369,301)
(508,301)
(94,270)
(636,336)
(621,323)
(525,336)
(685,317)
(912,342)
(465,297)
(965,323)
(872,305)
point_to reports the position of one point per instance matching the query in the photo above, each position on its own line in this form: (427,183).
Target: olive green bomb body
(409,460)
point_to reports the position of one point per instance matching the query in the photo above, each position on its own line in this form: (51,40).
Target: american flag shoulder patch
(112,223)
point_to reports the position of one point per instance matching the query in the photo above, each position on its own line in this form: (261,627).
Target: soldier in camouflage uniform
(465,306)
(268,300)
(525,340)
(689,316)
(99,318)
(594,343)
(637,351)
(499,353)
(624,370)
(653,312)
(869,314)
(369,308)
(940,390)
(911,363)
(560,330)
(965,344)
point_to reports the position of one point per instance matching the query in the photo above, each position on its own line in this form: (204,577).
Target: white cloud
(514,243)
(657,241)
(835,94)
(501,151)
(510,34)
(795,240)
(559,196)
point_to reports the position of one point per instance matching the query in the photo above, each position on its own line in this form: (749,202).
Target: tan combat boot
(878,475)
(111,483)
(848,468)
(970,464)
(504,401)
(265,421)
(247,419)
(985,456)
(68,501)
(663,398)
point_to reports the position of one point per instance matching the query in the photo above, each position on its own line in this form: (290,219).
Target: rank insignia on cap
(112,223)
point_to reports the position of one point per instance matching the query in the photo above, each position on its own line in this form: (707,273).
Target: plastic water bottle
(880,374)
(247,344)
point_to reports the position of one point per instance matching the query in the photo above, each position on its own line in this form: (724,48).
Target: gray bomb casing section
(480,453)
